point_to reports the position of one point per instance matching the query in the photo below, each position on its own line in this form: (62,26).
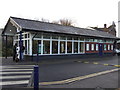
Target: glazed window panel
(28,35)
(81,39)
(105,47)
(69,47)
(55,47)
(75,38)
(95,40)
(46,47)
(69,38)
(63,38)
(46,36)
(38,36)
(25,36)
(92,47)
(39,46)
(55,37)
(91,40)
(81,47)
(62,47)
(25,46)
(108,47)
(34,46)
(96,47)
(87,47)
(75,47)
(111,47)
(28,46)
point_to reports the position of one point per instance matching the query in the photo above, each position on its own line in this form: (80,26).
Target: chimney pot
(105,25)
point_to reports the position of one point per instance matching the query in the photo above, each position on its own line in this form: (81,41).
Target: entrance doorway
(100,49)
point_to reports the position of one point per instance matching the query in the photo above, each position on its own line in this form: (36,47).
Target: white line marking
(14,82)
(13,69)
(15,72)
(15,77)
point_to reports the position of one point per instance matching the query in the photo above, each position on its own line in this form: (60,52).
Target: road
(72,69)
(104,81)
(50,71)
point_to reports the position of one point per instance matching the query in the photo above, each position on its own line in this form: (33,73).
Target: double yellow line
(78,78)
(86,62)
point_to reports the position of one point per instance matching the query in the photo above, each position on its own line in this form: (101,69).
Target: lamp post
(20,45)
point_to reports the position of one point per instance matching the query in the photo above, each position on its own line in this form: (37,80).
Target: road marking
(98,63)
(86,62)
(17,65)
(105,64)
(117,65)
(13,77)
(14,69)
(15,72)
(79,78)
(78,61)
(95,63)
(14,82)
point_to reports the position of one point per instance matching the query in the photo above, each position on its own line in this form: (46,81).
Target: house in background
(111,29)
(48,40)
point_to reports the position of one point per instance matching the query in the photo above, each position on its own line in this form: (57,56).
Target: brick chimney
(105,25)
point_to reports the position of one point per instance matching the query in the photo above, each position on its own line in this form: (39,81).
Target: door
(100,49)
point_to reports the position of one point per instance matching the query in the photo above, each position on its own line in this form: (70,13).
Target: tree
(44,20)
(65,22)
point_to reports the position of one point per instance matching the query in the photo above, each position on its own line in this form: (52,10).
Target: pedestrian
(14,51)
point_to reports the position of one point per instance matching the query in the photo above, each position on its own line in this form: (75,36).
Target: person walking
(14,51)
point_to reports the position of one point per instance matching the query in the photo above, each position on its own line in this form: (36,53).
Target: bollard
(36,77)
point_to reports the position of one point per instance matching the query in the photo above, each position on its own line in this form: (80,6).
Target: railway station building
(47,40)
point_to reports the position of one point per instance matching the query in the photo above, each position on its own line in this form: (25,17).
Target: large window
(39,46)
(46,36)
(105,47)
(69,47)
(57,44)
(25,46)
(75,47)
(108,47)
(92,47)
(96,47)
(111,47)
(34,45)
(46,47)
(62,47)
(55,47)
(87,47)
(28,46)
(55,37)
(81,47)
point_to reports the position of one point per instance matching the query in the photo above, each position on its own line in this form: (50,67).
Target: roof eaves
(15,23)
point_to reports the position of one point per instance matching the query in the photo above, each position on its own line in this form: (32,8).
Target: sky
(83,13)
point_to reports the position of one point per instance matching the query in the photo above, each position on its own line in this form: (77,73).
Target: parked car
(117,51)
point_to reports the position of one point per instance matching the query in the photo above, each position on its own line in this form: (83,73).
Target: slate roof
(56,28)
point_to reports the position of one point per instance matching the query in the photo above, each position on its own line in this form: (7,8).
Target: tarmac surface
(54,70)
